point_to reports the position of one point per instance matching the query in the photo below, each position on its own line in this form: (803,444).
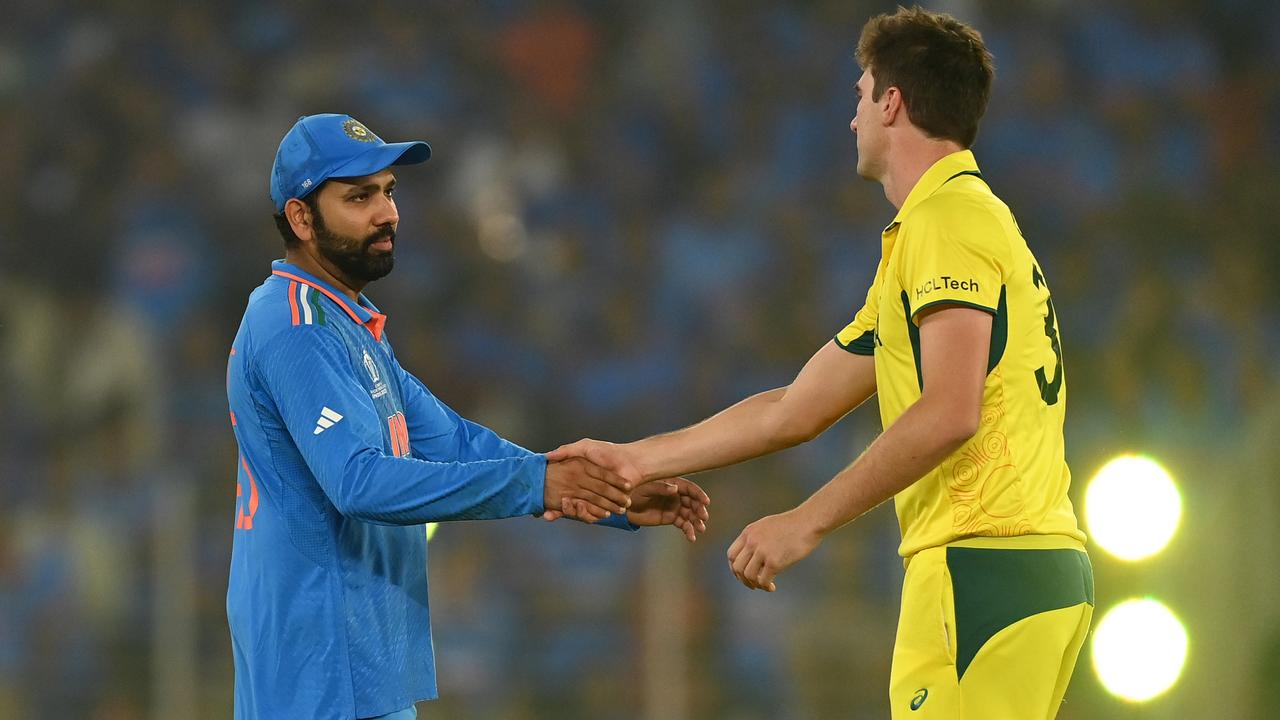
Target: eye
(358,197)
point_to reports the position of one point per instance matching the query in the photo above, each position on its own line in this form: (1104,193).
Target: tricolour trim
(324,290)
(375,323)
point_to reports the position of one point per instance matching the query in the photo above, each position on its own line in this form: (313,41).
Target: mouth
(385,242)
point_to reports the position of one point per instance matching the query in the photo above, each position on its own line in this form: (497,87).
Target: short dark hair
(940,65)
(291,240)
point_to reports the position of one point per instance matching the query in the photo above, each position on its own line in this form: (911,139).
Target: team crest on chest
(379,387)
(372,367)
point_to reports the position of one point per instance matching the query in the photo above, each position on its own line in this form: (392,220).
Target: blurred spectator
(636,213)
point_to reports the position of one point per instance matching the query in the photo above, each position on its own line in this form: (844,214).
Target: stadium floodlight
(431,530)
(1139,649)
(1132,507)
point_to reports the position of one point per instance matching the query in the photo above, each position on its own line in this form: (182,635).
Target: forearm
(374,487)
(921,439)
(749,429)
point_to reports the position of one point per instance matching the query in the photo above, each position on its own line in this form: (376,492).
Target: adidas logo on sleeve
(328,418)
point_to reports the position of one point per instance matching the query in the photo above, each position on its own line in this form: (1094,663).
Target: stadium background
(636,214)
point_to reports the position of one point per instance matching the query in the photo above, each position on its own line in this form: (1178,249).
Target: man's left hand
(770,545)
(677,502)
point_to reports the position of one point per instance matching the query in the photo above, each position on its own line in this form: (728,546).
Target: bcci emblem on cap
(318,146)
(357,131)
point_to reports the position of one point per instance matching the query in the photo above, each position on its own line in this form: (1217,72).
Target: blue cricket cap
(319,147)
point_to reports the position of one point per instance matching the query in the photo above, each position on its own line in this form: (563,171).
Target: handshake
(591,480)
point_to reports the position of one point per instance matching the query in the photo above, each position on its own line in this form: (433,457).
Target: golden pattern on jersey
(982,482)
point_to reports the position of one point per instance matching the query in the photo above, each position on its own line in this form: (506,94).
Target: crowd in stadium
(634,216)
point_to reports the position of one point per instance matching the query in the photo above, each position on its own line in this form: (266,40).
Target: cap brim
(382,157)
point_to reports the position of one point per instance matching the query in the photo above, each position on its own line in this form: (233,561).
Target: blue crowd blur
(636,214)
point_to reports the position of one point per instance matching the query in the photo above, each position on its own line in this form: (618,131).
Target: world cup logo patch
(357,131)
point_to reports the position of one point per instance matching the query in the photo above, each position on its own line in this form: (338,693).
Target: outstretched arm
(954,342)
(437,431)
(306,369)
(832,383)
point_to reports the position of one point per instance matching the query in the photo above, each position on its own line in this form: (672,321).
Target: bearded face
(360,259)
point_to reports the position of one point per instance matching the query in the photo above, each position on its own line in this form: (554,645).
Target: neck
(323,269)
(916,155)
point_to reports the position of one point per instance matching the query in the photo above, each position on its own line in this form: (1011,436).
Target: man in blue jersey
(344,455)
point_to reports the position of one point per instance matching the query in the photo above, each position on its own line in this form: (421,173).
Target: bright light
(431,530)
(1139,649)
(1132,507)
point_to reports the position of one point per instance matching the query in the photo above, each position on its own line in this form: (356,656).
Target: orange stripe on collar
(293,302)
(375,324)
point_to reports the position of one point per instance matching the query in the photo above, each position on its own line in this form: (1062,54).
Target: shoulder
(280,305)
(964,215)
(965,198)
(282,317)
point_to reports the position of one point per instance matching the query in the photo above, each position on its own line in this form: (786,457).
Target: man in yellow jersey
(959,338)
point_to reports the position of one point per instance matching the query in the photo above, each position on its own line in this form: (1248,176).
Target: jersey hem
(945,301)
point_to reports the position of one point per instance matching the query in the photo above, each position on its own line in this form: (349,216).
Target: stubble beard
(868,167)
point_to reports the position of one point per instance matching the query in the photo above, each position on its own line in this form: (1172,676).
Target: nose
(853,125)
(386,211)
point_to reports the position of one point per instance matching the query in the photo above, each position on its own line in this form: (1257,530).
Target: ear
(891,104)
(299,217)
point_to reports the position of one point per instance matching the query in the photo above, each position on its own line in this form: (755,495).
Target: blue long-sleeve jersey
(343,456)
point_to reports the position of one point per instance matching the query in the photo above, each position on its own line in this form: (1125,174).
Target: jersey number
(1049,389)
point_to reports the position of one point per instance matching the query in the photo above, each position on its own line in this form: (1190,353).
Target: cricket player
(344,455)
(959,338)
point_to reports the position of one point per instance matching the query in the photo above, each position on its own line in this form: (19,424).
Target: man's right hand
(618,458)
(601,491)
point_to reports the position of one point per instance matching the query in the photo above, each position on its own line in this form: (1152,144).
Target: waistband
(1017,542)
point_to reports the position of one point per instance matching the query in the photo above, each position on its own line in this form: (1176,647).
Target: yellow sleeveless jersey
(955,243)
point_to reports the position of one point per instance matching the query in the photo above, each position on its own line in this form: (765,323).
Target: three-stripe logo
(328,418)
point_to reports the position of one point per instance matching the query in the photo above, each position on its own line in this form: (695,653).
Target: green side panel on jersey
(999,331)
(994,589)
(913,332)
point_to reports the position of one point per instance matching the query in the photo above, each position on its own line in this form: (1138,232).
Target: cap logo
(356,131)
